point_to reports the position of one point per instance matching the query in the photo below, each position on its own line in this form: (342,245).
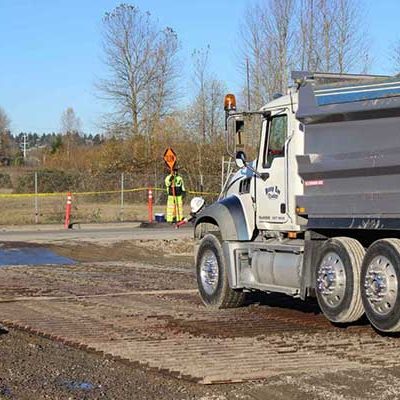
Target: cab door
(271,186)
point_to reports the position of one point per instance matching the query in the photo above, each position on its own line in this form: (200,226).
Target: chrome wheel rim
(331,279)
(209,272)
(381,285)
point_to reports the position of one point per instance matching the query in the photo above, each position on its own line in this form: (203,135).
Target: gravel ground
(32,367)
(36,368)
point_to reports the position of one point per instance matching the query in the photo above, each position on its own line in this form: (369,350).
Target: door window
(275,146)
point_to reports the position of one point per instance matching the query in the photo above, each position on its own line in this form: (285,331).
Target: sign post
(170,160)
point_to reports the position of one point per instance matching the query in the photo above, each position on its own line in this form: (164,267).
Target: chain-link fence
(28,197)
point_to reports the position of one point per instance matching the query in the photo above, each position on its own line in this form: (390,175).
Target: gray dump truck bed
(351,161)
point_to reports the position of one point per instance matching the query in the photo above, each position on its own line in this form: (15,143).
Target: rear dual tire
(351,281)
(380,277)
(338,280)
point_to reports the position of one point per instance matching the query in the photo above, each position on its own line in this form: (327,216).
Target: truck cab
(278,183)
(268,186)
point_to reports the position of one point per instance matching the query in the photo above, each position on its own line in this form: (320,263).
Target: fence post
(201,183)
(150,204)
(155,200)
(122,198)
(36,200)
(68,207)
(222,173)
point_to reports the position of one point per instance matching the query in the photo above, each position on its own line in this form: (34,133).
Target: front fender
(230,217)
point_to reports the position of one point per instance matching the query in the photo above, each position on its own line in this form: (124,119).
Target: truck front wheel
(380,275)
(212,276)
(338,280)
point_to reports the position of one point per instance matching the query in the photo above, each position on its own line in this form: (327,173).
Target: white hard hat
(196,204)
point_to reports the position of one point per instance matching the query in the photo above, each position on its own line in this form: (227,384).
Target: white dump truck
(318,212)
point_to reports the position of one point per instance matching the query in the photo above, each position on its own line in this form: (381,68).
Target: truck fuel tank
(274,264)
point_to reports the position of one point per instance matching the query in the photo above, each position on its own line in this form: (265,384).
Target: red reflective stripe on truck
(314,183)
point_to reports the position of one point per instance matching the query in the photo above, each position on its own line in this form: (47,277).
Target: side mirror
(240,159)
(235,134)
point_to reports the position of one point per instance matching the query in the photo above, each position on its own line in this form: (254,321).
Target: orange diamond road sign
(170,158)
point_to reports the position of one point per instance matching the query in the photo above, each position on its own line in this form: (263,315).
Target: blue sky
(51,51)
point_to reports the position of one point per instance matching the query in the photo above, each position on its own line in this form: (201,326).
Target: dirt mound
(128,250)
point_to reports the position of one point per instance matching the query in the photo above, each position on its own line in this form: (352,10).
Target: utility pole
(24,145)
(248,83)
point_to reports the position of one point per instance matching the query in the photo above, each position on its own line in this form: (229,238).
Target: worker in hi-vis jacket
(175,191)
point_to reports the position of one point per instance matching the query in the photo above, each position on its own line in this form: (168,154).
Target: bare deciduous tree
(203,120)
(351,42)
(142,69)
(395,57)
(5,136)
(308,35)
(70,128)
(279,35)
(267,35)
(331,37)
(255,49)
(206,115)
(200,62)
(4,121)
(70,123)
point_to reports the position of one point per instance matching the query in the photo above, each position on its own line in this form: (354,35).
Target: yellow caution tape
(19,195)
(65,193)
(191,192)
(205,193)
(16,195)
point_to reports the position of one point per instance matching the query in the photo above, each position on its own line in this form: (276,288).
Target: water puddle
(76,385)
(31,256)
(5,391)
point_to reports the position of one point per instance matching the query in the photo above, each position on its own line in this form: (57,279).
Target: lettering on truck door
(271,192)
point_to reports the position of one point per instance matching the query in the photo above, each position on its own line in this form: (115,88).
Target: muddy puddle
(32,256)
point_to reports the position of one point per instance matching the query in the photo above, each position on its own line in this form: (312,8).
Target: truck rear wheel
(212,276)
(338,280)
(380,275)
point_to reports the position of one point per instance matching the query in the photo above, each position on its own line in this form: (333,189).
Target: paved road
(93,232)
